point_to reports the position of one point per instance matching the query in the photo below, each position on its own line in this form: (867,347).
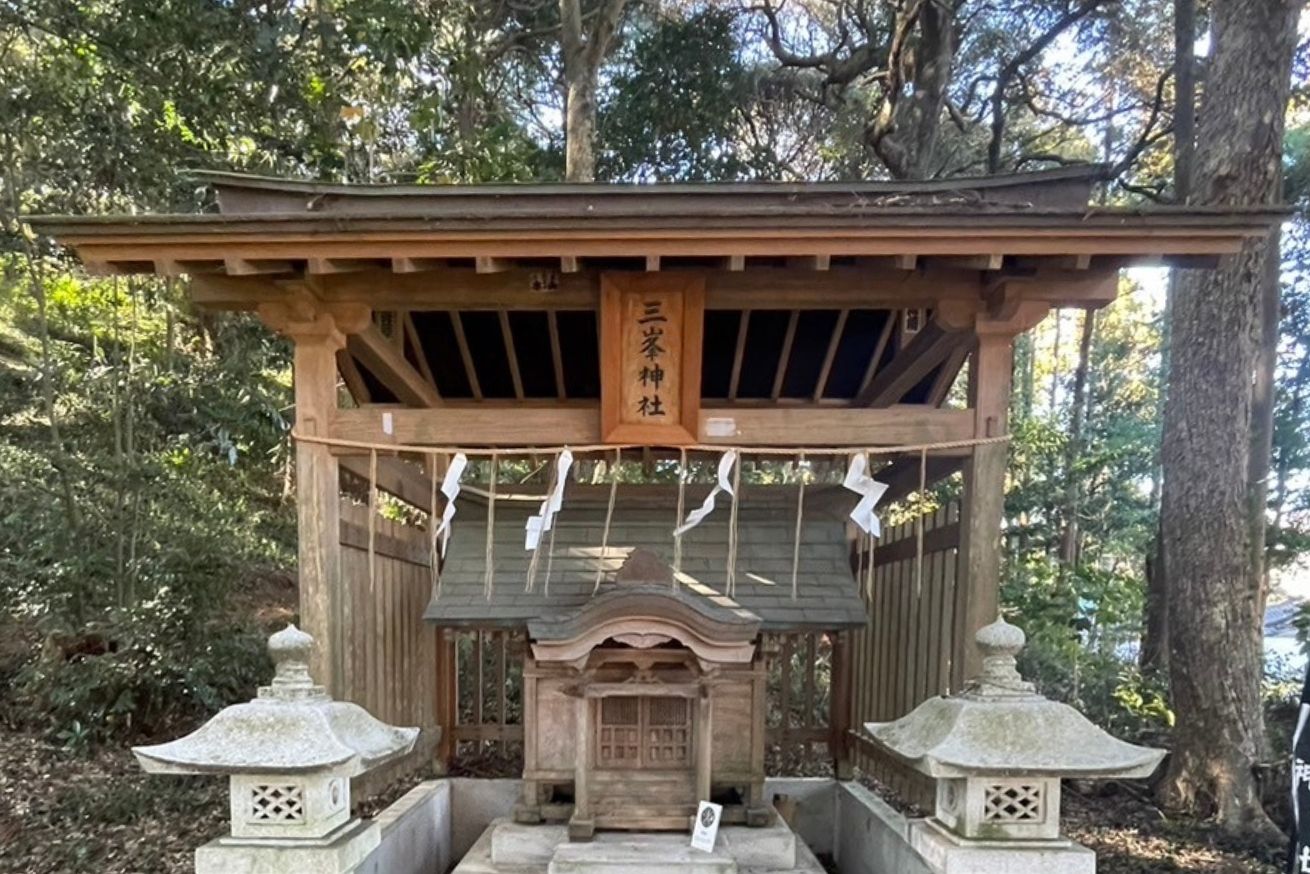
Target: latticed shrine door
(652,733)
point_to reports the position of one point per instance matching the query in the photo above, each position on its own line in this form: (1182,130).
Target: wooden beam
(417,265)
(822,382)
(879,349)
(507,336)
(652,263)
(461,289)
(520,425)
(569,264)
(465,355)
(416,343)
(260,267)
(929,348)
(989,261)
(802,427)
(379,354)
(845,287)
(736,263)
(351,376)
(483,424)
(946,376)
(902,475)
(784,357)
(166,267)
(339,265)
(487,264)
(556,356)
(743,325)
(810,262)
(403,480)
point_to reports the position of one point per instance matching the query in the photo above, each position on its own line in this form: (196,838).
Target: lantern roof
(1000,726)
(291,726)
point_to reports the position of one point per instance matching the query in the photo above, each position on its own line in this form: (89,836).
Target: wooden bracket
(302,316)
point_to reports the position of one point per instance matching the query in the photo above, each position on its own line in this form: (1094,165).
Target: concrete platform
(507,847)
(639,854)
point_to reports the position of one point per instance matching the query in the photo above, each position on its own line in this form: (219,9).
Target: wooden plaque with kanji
(651,325)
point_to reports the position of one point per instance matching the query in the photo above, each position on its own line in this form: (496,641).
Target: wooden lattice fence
(906,653)
(392,666)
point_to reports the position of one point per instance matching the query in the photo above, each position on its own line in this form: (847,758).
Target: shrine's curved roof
(827,595)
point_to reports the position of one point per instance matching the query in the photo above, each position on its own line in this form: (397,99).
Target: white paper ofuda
(707,826)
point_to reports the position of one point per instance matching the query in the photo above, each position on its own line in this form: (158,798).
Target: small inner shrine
(641,702)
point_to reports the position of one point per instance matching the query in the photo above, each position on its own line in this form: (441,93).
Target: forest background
(146,508)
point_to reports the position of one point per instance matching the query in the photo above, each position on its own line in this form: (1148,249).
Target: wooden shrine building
(667,321)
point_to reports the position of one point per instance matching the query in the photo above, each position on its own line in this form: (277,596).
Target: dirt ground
(1132,836)
(60,813)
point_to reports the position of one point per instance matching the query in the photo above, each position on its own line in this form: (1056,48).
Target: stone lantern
(290,754)
(998,751)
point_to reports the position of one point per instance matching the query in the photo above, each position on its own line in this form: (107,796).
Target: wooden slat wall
(798,691)
(903,656)
(392,652)
(488,731)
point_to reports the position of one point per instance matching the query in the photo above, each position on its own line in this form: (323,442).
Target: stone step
(772,848)
(639,854)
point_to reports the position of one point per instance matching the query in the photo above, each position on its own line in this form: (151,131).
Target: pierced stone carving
(277,804)
(1014,803)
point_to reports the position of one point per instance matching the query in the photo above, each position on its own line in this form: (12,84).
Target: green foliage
(679,98)
(159,670)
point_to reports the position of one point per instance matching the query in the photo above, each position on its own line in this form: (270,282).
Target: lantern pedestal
(340,852)
(948,853)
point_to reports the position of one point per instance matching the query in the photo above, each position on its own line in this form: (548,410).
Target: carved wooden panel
(651,327)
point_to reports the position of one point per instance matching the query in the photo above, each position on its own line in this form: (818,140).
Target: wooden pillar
(978,577)
(840,697)
(978,573)
(447,695)
(582,826)
(319,332)
(704,742)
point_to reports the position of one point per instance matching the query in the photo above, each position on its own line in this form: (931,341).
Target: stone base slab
(507,847)
(338,853)
(947,854)
(639,854)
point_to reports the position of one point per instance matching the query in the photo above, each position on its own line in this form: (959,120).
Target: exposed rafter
(388,364)
(920,357)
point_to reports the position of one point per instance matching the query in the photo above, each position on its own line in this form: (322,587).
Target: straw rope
(434,550)
(550,561)
(918,532)
(800,514)
(677,522)
(609,517)
(488,581)
(732,529)
(372,519)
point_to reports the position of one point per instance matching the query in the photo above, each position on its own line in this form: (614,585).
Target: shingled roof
(827,596)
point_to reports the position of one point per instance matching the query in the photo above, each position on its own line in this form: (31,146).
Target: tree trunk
(1072,493)
(583,50)
(904,135)
(1214,600)
(1154,657)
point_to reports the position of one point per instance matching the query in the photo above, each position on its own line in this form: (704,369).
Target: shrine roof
(264,220)
(827,595)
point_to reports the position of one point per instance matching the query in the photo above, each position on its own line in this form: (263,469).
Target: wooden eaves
(982,255)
